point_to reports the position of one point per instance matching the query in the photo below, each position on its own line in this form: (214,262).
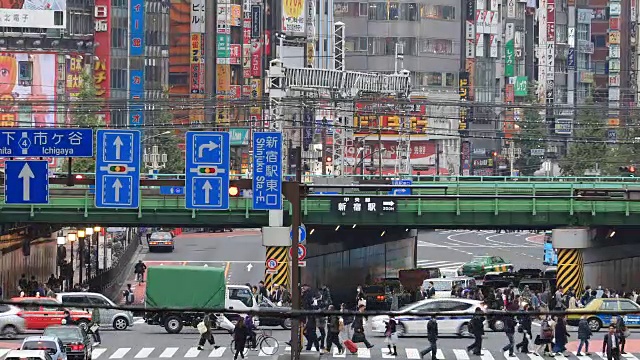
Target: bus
(550,257)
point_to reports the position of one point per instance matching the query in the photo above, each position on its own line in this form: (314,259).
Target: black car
(77,343)
(267,305)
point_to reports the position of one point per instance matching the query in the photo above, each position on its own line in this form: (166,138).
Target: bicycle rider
(139,270)
(251,327)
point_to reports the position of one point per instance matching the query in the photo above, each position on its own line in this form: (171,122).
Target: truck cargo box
(180,287)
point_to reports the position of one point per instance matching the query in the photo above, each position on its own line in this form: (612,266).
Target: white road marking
(218,352)
(364,353)
(96,353)
(335,352)
(120,353)
(4,351)
(460,354)
(440,354)
(269,351)
(192,352)
(486,355)
(386,354)
(144,353)
(169,352)
(412,353)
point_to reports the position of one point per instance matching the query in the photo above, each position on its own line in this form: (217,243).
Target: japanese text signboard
(267,171)
(136,28)
(363,205)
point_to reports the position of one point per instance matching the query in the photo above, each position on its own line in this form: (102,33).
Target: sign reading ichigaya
(361,204)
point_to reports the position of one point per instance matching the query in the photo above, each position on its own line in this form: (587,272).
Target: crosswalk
(101,353)
(439,264)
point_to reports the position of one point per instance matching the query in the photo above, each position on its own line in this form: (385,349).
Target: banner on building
(136,28)
(102,53)
(196,63)
(293,17)
(136,94)
(463,90)
(223,79)
(256,21)
(197,13)
(509,50)
(520,86)
(256,59)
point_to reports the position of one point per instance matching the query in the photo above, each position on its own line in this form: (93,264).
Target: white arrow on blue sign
(118,169)
(26,182)
(302,234)
(208,158)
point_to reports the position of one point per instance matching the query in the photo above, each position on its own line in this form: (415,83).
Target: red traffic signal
(628,169)
(234,191)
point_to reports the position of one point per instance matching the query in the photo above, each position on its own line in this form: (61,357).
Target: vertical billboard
(74,70)
(542,52)
(293,17)
(463,89)
(33,14)
(509,50)
(136,93)
(39,87)
(136,28)
(196,58)
(551,56)
(102,60)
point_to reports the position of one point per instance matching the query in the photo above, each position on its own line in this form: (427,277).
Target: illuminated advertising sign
(102,62)
(136,28)
(196,62)
(293,16)
(256,59)
(39,86)
(34,14)
(366,118)
(73,83)
(136,93)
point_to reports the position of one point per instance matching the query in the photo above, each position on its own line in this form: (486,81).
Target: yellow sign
(256,88)
(293,8)
(223,79)
(614,37)
(311,52)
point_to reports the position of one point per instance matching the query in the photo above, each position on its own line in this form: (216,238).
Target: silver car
(119,319)
(11,324)
(51,344)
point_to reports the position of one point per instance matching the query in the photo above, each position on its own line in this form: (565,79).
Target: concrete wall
(351,257)
(615,266)
(41,263)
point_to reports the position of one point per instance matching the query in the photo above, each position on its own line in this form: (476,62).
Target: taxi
(42,312)
(480,265)
(598,321)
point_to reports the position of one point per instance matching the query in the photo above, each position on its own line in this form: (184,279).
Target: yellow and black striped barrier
(570,269)
(279,275)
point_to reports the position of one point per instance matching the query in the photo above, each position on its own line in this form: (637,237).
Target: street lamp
(89,232)
(154,160)
(81,235)
(96,230)
(71,237)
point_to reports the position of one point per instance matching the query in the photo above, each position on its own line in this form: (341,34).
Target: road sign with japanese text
(45,142)
(267,171)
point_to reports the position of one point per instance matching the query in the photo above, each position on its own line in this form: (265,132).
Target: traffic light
(117,169)
(207,170)
(329,159)
(234,191)
(628,170)
(494,154)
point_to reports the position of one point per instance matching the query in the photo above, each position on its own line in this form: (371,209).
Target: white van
(119,319)
(443,286)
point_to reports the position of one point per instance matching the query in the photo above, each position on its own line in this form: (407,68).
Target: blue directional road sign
(46,142)
(26,182)
(207,170)
(118,169)
(302,234)
(267,171)
(171,190)
(401,191)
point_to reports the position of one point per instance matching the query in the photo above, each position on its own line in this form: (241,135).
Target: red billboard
(367,119)
(422,156)
(102,62)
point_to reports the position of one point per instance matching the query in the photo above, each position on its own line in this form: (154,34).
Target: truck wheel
(173,324)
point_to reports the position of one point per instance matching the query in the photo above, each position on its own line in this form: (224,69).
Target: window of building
(394,11)
(432,79)
(25,73)
(436,46)
(346,9)
(583,32)
(178,79)
(409,11)
(599,41)
(378,11)
(450,79)
(438,12)
(560,93)
(599,67)
(582,61)
(409,45)
(561,33)
(520,10)
(364,8)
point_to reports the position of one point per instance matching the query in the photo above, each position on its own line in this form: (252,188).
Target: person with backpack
(584,334)
(128,295)
(390,335)
(334,330)
(139,270)
(621,330)
(476,326)
(204,328)
(432,336)
(545,338)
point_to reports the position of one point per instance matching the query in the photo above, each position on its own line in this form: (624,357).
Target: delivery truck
(172,288)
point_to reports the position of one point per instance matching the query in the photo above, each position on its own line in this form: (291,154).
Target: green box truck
(173,288)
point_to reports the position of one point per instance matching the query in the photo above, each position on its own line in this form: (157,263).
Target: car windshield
(48,346)
(161,236)
(479,260)
(64,333)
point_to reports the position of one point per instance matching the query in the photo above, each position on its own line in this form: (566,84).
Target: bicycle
(266,343)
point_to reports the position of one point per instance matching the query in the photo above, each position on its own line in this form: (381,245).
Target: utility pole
(210,34)
(512,157)
(379,151)
(437,158)
(323,161)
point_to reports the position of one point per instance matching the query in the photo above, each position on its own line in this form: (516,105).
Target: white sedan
(414,325)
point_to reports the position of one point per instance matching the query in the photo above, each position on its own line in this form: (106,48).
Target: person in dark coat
(611,344)
(334,330)
(240,334)
(477,329)
(207,335)
(310,333)
(358,329)
(510,331)
(561,335)
(621,329)
(432,336)
(584,334)
(525,329)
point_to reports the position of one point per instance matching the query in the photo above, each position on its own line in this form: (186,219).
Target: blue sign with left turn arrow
(118,169)
(26,182)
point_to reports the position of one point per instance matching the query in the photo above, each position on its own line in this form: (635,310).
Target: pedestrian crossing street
(102,353)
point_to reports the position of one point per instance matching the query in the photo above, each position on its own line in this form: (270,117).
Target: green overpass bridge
(520,203)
